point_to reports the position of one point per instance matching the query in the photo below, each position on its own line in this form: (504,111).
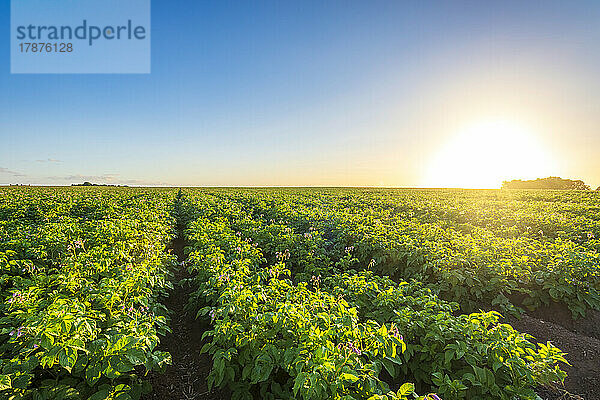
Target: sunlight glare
(485,154)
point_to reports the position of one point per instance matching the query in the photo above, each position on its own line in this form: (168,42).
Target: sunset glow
(486,153)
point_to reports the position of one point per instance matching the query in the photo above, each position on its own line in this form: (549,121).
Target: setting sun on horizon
(483,154)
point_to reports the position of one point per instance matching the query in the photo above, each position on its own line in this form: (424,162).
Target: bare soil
(583,353)
(561,315)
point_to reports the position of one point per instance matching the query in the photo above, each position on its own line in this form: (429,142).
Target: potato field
(298,293)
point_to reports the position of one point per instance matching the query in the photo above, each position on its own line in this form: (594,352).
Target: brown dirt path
(583,353)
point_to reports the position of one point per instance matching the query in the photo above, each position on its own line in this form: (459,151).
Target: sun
(484,154)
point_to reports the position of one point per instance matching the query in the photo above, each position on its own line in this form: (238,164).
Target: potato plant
(241,259)
(276,339)
(80,275)
(309,293)
(453,241)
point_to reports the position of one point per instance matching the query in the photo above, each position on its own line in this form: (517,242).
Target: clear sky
(427,93)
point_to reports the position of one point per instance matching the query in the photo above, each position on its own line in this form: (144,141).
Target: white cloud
(6,171)
(49,160)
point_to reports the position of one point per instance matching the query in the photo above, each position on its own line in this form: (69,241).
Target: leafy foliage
(80,274)
(551,182)
(312,293)
(256,269)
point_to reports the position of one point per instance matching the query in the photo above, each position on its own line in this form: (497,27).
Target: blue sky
(312,93)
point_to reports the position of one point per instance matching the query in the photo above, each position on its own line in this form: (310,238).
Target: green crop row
(476,269)
(311,293)
(266,305)
(80,273)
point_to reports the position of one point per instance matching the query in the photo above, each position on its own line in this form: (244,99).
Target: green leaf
(449,355)
(100,395)
(406,389)
(5,382)
(67,358)
(92,374)
(348,377)
(47,341)
(135,356)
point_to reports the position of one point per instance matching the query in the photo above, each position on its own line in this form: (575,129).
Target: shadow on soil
(583,353)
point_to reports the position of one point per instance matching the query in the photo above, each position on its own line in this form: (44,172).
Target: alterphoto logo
(80,36)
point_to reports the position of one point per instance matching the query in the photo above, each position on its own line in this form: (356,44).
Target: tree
(552,182)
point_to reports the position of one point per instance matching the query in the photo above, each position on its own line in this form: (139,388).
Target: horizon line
(265,187)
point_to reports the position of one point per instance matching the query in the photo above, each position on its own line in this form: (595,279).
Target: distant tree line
(95,184)
(552,182)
